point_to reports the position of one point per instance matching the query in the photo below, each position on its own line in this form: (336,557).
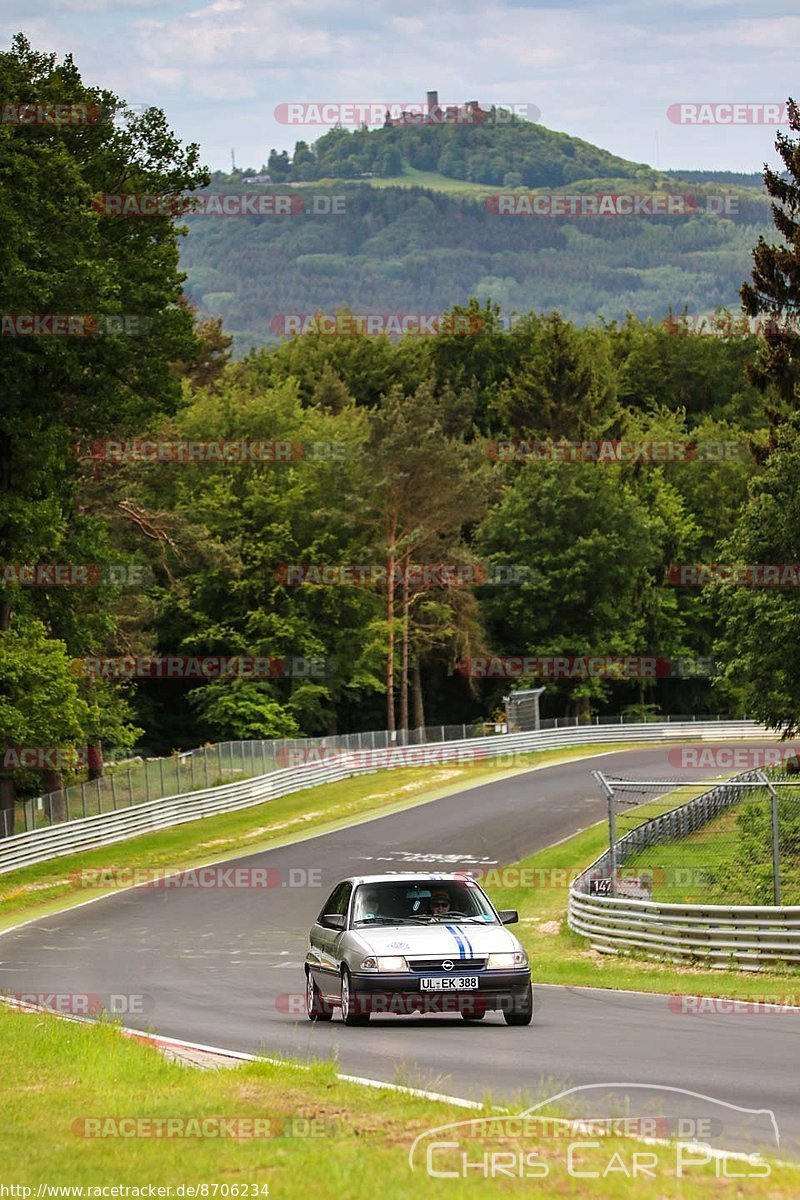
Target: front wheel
(522,1011)
(316,1008)
(351,1011)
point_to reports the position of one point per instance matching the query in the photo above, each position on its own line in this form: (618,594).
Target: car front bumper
(401,993)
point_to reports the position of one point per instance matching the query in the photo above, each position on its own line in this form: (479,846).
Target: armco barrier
(24,849)
(143,778)
(720,935)
(716,934)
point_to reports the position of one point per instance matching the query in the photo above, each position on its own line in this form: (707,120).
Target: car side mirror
(508,916)
(333,921)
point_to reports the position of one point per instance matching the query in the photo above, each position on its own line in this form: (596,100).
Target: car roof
(411,877)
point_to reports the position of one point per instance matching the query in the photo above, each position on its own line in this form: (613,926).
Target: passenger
(368,905)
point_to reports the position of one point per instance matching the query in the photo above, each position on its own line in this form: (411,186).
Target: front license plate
(451,983)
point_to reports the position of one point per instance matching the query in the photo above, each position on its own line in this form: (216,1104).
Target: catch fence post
(776,851)
(612,827)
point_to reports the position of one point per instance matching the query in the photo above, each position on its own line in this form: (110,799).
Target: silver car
(415,943)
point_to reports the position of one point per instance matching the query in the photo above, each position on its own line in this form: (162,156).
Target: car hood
(449,940)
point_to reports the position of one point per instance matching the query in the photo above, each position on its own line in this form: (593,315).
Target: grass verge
(412,177)
(558,955)
(318,1135)
(692,870)
(729,860)
(58,884)
(539,886)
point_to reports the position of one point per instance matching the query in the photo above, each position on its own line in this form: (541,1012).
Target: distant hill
(422,233)
(512,153)
(753,179)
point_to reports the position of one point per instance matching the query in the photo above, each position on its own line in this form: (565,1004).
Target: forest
(411,248)
(359,531)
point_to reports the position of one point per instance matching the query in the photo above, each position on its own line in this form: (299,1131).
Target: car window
(338,900)
(343,900)
(420,903)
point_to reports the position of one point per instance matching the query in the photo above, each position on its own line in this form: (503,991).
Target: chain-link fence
(736,843)
(127,783)
(138,780)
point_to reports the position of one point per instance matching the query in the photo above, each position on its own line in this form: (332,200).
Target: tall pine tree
(775,290)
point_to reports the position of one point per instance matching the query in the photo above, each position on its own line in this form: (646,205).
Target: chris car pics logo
(666,1133)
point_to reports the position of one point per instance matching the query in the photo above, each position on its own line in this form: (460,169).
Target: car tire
(351,1010)
(316,1007)
(523,1008)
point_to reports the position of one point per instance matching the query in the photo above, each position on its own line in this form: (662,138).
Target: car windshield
(399,903)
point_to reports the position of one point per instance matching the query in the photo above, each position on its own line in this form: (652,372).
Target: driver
(440,902)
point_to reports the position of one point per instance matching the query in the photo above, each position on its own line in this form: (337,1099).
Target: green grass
(559,956)
(682,871)
(685,871)
(728,860)
(411,177)
(434,181)
(57,884)
(59,1074)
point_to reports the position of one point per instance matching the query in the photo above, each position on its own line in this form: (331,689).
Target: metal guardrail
(69,837)
(138,780)
(720,935)
(142,778)
(716,934)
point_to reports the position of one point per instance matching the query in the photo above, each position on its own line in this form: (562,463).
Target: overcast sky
(603,72)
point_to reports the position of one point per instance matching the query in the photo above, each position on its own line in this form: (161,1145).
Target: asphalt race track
(224,967)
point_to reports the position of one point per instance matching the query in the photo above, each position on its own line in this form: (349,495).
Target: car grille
(460,965)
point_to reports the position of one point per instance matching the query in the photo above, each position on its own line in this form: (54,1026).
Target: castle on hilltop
(470,113)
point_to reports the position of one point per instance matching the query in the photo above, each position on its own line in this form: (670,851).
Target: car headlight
(507,962)
(388,963)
